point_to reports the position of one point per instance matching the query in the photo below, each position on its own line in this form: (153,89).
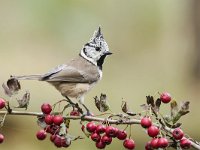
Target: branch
(91,118)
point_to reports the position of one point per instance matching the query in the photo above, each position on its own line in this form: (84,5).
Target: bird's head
(96,49)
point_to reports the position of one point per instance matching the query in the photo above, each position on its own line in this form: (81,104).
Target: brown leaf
(150,100)
(174,108)
(102,104)
(184,108)
(13,84)
(178,113)
(97,102)
(124,107)
(176,125)
(126,110)
(24,101)
(157,105)
(7,91)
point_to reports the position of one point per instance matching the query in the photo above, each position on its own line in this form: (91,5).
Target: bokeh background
(155,44)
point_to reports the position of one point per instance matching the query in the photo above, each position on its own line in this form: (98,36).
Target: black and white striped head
(96,49)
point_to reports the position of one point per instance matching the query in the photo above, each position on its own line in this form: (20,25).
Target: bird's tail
(28,77)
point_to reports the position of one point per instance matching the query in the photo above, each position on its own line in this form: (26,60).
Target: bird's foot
(76,105)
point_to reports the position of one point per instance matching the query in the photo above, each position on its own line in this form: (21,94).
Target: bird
(75,78)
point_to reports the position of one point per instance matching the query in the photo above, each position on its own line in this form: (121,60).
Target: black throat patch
(101,61)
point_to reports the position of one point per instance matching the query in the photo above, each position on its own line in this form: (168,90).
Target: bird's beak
(108,53)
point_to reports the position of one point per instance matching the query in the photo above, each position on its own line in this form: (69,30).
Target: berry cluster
(153,131)
(53,126)
(103,135)
(2,105)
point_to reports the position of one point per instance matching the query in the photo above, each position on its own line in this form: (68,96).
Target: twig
(91,118)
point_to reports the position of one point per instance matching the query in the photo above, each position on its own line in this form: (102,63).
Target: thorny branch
(98,119)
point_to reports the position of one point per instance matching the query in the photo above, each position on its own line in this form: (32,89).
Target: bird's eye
(97,48)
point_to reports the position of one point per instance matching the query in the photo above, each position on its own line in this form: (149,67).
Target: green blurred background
(155,46)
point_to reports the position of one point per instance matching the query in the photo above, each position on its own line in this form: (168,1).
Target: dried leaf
(124,107)
(176,125)
(102,104)
(67,122)
(103,96)
(13,85)
(7,91)
(167,118)
(184,108)
(150,100)
(157,105)
(126,110)
(174,108)
(41,122)
(144,107)
(97,102)
(24,101)
(178,113)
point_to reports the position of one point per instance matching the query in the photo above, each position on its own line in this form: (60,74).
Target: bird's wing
(71,74)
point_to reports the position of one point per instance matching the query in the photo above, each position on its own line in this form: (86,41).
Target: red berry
(153,131)
(178,134)
(165,97)
(74,113)
(91,127)
(106,139)
(111,131)
(100,129)
(185,143)
(148,146)
(58,119)
(46,108)
(52,129)
(2,103)
(129,144)
(1,138)
(163,142)
(100,145)
(57,141)
(48,119)
(121,135)
(146,122)
(65,142)
(95,137)
(41,135)
(52,137)
(154,143)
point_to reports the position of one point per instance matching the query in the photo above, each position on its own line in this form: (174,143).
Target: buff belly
(73,90)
